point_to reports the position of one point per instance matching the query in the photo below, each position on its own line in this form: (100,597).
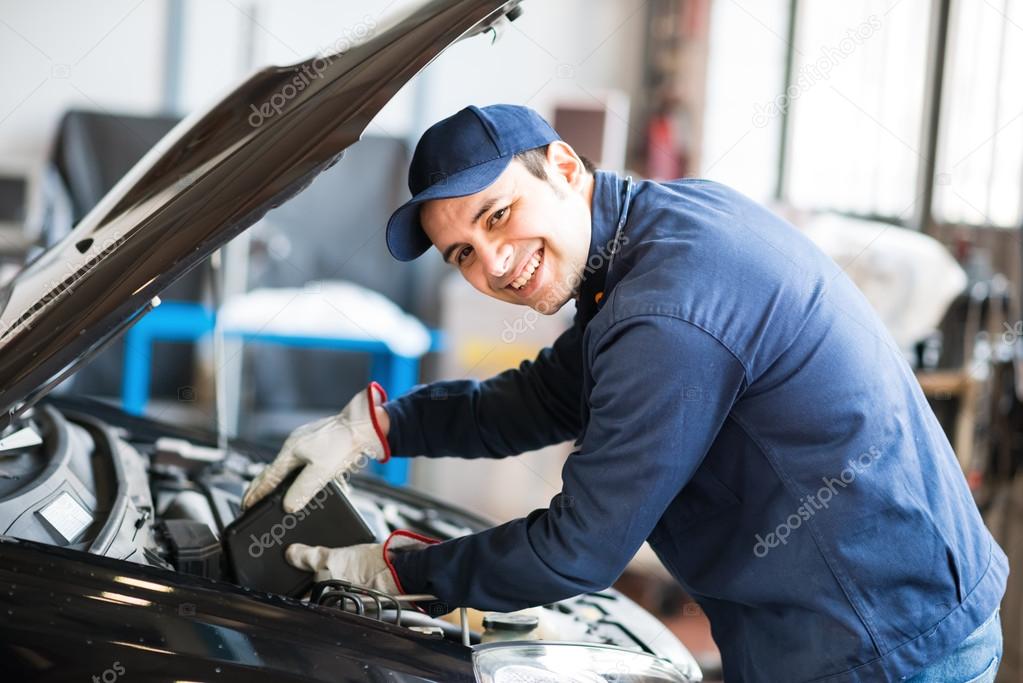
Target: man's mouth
(521,284)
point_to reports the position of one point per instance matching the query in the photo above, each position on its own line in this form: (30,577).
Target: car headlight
(543,662)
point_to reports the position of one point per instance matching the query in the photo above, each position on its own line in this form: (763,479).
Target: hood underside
(214,175)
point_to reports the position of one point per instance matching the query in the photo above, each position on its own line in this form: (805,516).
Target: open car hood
(214,175)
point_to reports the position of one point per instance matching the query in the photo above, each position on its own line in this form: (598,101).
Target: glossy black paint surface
(68,615)
(214,175)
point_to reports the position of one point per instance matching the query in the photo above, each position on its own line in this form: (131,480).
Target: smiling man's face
(522,240)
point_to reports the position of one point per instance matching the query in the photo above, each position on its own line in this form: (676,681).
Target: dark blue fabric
(737,403)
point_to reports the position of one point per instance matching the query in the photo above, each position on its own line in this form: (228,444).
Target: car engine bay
(100,486)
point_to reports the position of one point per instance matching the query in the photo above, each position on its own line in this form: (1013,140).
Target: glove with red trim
(326,449)
(368,565)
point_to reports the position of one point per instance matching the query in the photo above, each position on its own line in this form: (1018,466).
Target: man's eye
(462,254)
(498,215)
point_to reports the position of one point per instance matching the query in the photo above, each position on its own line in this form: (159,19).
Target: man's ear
(564,162)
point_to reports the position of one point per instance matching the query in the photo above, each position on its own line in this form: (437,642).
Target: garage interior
(888,131)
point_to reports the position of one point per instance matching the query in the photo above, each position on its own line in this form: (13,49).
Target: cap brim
(405,237)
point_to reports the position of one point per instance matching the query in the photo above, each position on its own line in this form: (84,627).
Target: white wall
(572,49)
(110,56)
(745,73)
(61,54)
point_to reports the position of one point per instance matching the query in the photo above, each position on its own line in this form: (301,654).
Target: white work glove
(367,565)
(326,449)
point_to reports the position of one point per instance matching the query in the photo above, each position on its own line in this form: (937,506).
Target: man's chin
(549,304)
(547,309)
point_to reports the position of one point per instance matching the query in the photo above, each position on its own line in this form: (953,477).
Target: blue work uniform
(736,402)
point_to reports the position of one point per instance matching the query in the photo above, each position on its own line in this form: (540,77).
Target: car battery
(255,542)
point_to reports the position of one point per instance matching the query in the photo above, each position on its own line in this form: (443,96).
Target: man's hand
(326,449)
(366,565)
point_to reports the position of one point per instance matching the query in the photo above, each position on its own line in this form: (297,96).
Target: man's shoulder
(694,197)
(692,237)
(703,253)
(697,212)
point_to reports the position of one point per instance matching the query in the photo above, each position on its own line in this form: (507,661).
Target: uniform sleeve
(642,444)
(519,410)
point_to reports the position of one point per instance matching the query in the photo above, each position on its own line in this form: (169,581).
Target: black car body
(106,565)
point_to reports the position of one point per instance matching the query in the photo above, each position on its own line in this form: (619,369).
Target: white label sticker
(67,517)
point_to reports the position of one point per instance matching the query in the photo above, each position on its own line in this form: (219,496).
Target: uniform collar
(611,198)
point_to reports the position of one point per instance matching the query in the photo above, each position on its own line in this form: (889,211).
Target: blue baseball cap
(459,156)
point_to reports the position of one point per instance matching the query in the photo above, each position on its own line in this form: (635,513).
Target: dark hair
(535,161)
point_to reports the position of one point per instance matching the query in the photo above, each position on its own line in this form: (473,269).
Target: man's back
(829,516)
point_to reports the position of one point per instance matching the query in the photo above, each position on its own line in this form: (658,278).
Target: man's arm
(519,410)
(642,444)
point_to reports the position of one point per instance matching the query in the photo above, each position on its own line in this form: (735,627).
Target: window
(851,130)
(740,142)
(855,106)
(979,173)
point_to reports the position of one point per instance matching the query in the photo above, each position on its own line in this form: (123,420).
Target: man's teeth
(527,272)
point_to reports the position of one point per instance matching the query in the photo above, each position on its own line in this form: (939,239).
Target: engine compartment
(97,486)
(81,488)
(89,487)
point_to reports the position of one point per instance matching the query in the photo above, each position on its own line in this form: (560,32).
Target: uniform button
(597,297)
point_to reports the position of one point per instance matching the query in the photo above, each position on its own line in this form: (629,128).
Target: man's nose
(497,259)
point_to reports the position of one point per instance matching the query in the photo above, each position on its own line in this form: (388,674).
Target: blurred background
(889,130)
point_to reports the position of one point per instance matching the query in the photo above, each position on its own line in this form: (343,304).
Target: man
(734,401)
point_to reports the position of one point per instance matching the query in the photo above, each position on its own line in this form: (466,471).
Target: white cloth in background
(326,309)
(909,278)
